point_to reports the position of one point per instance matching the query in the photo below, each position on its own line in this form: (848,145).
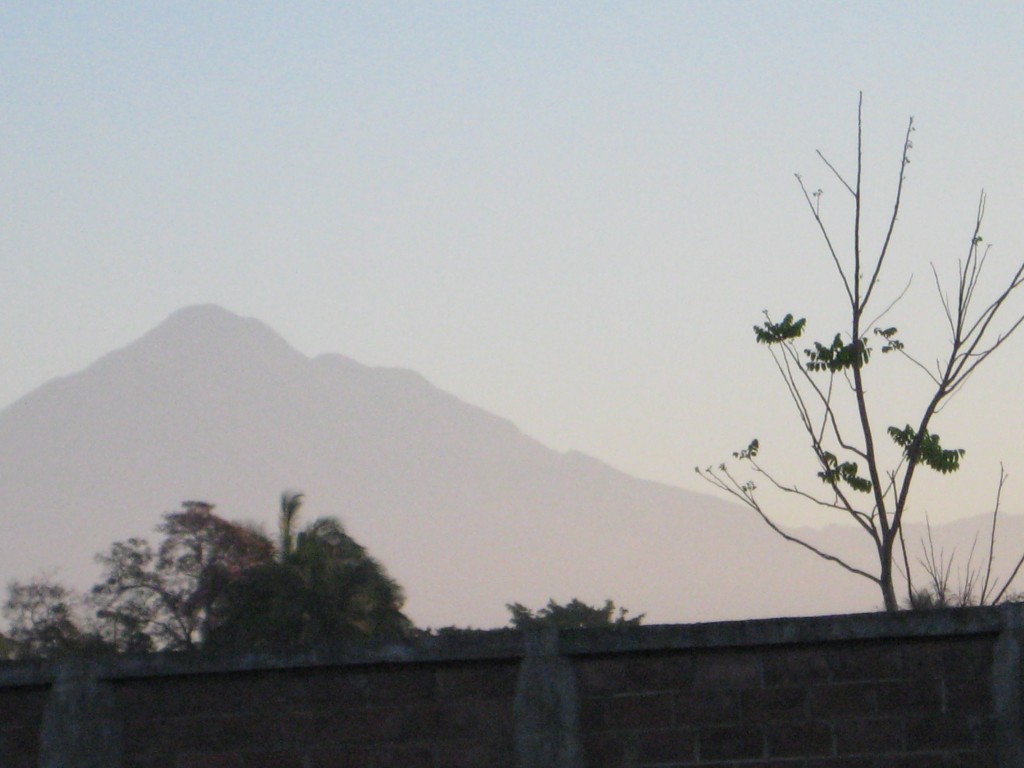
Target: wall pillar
(80,727)
(1007,688)
(546,706)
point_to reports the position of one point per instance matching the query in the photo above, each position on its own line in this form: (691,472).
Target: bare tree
(826,382)
(975,584)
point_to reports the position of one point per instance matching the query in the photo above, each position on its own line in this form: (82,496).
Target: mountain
(466,511)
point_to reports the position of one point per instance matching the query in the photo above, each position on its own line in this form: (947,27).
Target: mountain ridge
(465,510)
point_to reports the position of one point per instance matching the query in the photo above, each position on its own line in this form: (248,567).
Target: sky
(570,214)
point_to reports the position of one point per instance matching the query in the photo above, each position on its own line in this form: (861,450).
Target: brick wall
(924,690)
(394,716)
(21,714)
(841,704)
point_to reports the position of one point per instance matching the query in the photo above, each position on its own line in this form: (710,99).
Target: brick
(949,732)
(844,762)
(865,661)
(316,688)
(647,673)
(597,675)
(363,726)
(338,757)
(193,696)
(19,744)
(706,707)
(400,684)
(910,696)
(659,672)
(402,757)
(155,735)
(210,760)
(948,657)
(475,717)
(475,754)
(480,679)
(847,699)
(666,746)
(592,714)
(731,743)
(799,739)
(969,657)
(639,711)
(22,707)
(970,759)
(966,696)
(924,658)
(728,669)
(273,760)
(773,704)
(869,736)
(230,733)
(606,749)
(387,724)
(791,665)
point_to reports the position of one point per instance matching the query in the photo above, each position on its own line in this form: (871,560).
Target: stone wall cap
(511,645)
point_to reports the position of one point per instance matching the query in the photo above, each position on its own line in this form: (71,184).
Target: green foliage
(8,649)
(926,599)
(774,333)
(927,450)
(573,615)
(835,412)
(326,591)
(837,356)
(749,452)
(44,622)
(892,344)
(290,504)
(212,584)
(168,595)
(846,472)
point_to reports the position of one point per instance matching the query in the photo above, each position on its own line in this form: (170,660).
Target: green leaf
(774,333)
(834,472)
(892,343)
(837,356)
(749,452)
(928,449)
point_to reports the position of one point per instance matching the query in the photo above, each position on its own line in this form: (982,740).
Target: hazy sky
(569,214)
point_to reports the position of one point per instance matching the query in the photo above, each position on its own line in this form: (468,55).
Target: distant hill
(464,510)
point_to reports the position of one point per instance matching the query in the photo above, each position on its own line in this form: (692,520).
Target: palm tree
(291,501)
(323,589)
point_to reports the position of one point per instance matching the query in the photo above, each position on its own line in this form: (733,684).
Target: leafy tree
(45,621)
(169,594)
(573,615)
(213,583)
(7,648)
(828,384)
(322,589)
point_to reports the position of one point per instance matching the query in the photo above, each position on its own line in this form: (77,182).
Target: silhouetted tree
(213,583)
(169,594)
(291,502)
(326,590)
(573,615)
(45,620)
(7,648)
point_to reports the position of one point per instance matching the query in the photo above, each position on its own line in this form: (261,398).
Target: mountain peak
(203,314)
(207,331)
(211,318)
